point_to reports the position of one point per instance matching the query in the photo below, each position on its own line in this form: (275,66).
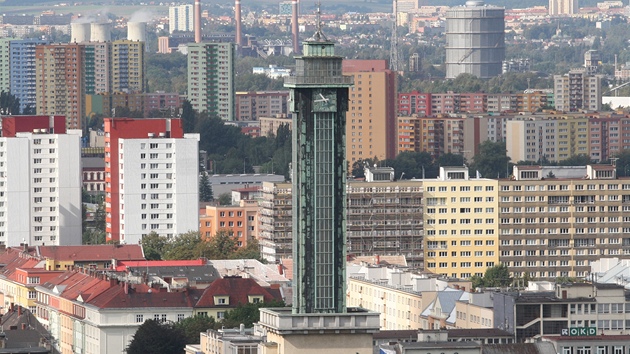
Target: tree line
(192,245)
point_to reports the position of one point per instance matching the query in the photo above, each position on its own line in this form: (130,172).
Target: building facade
(23,72)
(180,18)
(211,78)
(151,177)
(563,7)
(128,69)
(371,126)
(41,186)
(60,86)
(555,221)
(241,220)
(251,106)
(577,91)
(461,236)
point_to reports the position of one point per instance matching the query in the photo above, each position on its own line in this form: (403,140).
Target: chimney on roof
(23,326)
(19,308)
(51,124)
(25,247)
(3,340)
(168,128)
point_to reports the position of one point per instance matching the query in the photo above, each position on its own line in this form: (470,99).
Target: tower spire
(319,34)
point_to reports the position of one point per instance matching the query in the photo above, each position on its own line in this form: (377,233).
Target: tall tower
(237,16)
(319,101)
(393,50)
(319,320)
(294,26)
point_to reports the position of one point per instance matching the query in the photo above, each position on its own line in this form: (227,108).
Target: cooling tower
(101,32)
(475,40)
(79,32)
(137,31)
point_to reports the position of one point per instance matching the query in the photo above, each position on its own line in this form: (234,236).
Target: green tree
(250,251)
(623,163)
(192,326)
(225,199)
(497,276)
(157,338)
(451,159)
(93,237)
(184,246)
(492,160)
(576,160)
(153,246)
(9,104)
(205,189)
(247,314)
(222,245)
(189,117)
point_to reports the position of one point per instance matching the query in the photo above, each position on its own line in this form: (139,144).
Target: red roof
(237,288)
(124,265)
(86,253)
(109,293)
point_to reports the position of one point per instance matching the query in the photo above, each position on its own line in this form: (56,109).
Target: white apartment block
(40,189)
(180,18)
(158,186)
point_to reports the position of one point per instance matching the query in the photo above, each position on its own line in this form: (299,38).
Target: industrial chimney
(197,20)
(294,27)
(237,15)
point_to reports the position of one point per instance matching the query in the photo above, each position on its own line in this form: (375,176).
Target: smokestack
(237,15)
(294,27)
(197,20)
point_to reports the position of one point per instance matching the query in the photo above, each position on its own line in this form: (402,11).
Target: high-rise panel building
(128,66)
(371,128)
(98,63)
(556,220)
(40,193)
(22,71)
(563,7)
(577,91)
(180,18)
(60,86)
(461,223)
(475,40)
(151,176)
(211,78)
(5,78)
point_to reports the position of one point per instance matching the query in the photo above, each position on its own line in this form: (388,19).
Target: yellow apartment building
(461,226)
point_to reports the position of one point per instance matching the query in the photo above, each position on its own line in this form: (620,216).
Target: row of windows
(461,189)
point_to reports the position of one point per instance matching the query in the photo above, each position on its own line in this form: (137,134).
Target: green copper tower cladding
(319,101)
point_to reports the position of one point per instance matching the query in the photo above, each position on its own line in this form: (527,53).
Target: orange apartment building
(371,118)
(242,219)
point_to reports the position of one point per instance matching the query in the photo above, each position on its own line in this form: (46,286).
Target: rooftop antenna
(319,35)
